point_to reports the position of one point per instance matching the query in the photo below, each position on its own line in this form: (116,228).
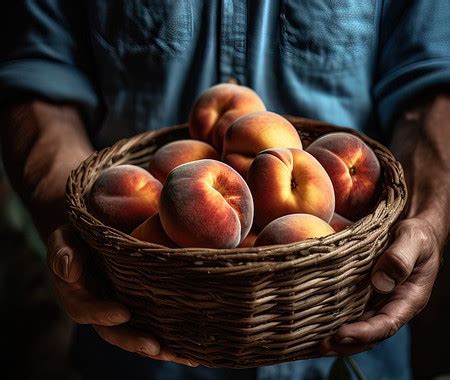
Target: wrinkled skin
(405,274)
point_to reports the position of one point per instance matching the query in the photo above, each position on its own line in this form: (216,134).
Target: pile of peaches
(242,180)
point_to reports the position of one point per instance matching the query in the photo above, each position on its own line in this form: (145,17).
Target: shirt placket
(233,41)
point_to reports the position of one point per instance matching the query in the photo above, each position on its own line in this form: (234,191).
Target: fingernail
(347,340)
(331,353)
(62,267)
(151,348)
(192,364)
(382,282)
(117,318)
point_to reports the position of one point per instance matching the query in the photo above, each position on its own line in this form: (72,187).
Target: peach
(124,196)
(207,204)
(293,228)
(289,181)
(339,223)
(353,168)
(254,133)
(217,108)
(176,153)
(249,241)
(152,231)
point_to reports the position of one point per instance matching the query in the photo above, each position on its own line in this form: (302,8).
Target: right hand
(65,261)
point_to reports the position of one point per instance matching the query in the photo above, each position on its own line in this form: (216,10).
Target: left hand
(405,272)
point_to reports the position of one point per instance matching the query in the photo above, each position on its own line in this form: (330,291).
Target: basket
(245,307)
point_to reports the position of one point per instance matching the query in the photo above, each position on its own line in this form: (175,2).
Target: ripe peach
(176,153)
(253,133)
(353,168)
(289,181)
(152,231)
(218,107)
(124,196)
(293,228)
(249,241)
(207,204)
(339,223)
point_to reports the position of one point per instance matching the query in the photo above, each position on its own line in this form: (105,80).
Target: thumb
(64,254)
(398,261)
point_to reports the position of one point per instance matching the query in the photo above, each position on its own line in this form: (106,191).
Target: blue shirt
(137,65)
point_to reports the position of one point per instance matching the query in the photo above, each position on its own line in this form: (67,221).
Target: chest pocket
(136,27)
(326,35)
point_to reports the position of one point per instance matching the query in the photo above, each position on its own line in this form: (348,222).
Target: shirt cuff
(394,91)
(54,81)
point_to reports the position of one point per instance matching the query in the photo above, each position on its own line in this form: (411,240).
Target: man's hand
(405,273)
(42,143)
(65,261)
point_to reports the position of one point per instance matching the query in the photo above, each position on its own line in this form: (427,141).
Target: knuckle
(418,230)
(397,265)
(423,233)
(392,327)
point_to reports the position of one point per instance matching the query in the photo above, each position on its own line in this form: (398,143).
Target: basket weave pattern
(242,307)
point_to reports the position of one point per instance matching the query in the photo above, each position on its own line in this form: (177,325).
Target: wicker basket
(243,307)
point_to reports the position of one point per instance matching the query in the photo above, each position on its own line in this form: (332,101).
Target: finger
(170,357)
(84,308)
(347,347)
(132,341)
(142,344)
(186,362)
(396,310)
(64,254)
(411,245)
(399,309)
(167,355)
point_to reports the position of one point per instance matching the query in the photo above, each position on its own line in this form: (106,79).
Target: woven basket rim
(209,254)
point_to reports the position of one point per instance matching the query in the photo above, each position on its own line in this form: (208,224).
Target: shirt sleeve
(414,53)
(44,51)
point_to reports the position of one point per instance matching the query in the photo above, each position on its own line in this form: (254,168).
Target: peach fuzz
(293,228)
(254,133)
(289,181)
(217,108)
(124,196)
(339,223)
(353,168)
(176,153)
(152,231)
(206,204)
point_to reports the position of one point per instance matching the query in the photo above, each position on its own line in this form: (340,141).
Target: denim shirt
(136,65)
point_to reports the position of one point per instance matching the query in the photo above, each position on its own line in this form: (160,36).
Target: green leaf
(343,368)
(356,371)
(339,370)
(442,377)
